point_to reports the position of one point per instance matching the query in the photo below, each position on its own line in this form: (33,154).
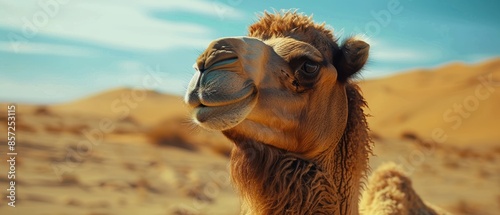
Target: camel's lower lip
(225,116)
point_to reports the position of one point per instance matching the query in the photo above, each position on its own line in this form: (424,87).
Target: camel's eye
(310,67)
(306,74)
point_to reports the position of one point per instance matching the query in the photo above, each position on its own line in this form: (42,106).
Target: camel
(284,95)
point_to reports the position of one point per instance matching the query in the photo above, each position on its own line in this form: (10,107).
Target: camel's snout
(226,50)
(226,71)
(221,92)
(215,59)
(219,53)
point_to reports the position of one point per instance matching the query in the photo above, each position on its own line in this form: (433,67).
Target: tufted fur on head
(347,58)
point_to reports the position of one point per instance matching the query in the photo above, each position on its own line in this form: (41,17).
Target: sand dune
(145,106)
(461,100)
(154,161)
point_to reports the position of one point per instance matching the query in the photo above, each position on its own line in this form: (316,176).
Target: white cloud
(378,72)
(40,91)
(476,58)
(210,8)
(386,52)
(120,24)
(46,49)
(398,54)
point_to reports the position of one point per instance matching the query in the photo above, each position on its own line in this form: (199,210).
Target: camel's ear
(350,58)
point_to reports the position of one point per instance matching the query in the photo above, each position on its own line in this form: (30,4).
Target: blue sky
(55,51)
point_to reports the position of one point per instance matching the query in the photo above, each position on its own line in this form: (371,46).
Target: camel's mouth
(225,116)
(220,95)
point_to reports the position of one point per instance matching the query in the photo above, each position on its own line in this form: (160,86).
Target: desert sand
(133,151)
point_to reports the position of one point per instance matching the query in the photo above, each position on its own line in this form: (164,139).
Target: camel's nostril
(224,62)
(220,58)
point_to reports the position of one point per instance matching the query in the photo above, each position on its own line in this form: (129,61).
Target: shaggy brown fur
(274,181)
(390,192)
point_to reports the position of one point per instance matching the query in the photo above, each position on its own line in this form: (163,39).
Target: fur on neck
(274,181)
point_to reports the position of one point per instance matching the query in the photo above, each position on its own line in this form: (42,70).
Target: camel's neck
(272,181)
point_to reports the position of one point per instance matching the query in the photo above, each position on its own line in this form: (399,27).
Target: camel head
(283,85)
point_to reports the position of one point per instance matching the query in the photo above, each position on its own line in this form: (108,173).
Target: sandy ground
(133,152)
(60,172)
(461,100)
